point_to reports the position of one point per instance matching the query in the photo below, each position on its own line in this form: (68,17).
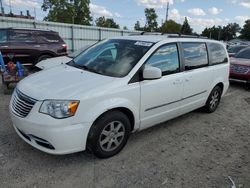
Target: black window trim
(137,77)
(183,58)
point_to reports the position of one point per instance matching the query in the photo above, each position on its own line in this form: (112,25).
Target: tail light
(65,47)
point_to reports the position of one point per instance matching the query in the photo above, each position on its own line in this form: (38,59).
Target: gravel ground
(197,150)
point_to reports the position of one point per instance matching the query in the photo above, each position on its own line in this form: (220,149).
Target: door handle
(176,82)
(188,78)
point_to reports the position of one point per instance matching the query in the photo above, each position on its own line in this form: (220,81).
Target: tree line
(78,12)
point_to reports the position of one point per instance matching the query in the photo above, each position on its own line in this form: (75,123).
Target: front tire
(109,134)
(213,100)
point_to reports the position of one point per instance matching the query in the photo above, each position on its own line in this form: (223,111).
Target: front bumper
(60,138)
(245,78)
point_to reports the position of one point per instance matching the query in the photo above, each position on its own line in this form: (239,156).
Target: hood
(61,82)
(52,62)
(240,61)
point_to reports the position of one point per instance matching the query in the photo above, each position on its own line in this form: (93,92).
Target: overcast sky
(200,13)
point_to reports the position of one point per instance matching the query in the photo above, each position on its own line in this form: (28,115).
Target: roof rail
(146,33)
(170,35)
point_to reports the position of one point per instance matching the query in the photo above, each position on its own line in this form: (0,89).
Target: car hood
(240,61)
(62,82)
(52,62)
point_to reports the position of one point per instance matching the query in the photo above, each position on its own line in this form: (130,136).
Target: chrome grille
(22,104)
(239,69)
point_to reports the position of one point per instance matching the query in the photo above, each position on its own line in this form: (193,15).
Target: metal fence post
(34,24)
(100,34)
(72,38)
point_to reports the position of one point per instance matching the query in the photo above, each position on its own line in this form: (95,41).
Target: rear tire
(109,134)
(213,100)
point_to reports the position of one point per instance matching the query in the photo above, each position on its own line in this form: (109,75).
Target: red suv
(30,45)
(240,66)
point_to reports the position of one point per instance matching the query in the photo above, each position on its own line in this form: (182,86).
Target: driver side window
(165,58)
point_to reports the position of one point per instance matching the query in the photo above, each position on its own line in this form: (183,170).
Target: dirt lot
(196,150)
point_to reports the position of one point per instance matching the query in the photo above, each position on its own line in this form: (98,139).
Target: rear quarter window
(49,37)
(218,53)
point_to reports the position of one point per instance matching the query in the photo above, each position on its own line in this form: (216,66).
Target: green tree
(151,20)
(213,32)
(245,32)
(65,11)
(229,31)
(137,26)
(109,22)
(186,29)
(170,27)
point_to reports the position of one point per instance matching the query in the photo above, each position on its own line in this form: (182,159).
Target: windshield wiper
(89,69)
(84,67)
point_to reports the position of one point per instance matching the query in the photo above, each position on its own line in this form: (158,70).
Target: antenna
(167,12)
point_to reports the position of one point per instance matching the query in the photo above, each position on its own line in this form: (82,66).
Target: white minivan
(115,87)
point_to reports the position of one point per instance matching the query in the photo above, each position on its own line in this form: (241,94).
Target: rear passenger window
(218,53)
(165,58)
(195,55)
(21,36)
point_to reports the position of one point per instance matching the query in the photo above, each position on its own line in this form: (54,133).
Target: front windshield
(114,57)
(235,49)
(245,54)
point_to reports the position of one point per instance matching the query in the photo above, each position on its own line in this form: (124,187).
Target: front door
(160,98)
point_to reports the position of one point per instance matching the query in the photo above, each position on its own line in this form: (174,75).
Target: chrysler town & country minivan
(115,87)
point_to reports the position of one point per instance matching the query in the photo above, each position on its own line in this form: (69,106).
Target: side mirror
(151,73)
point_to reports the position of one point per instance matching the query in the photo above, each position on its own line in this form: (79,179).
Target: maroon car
(240,66)
(30,45)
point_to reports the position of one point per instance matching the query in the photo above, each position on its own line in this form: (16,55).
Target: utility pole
(10,7)
(167,12)
(1,4)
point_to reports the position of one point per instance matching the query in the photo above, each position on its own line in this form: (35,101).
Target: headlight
(59,108)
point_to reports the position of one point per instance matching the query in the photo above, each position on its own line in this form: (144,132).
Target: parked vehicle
(232,51)
(30,46)
(118,86)
(52,62)
(240,67)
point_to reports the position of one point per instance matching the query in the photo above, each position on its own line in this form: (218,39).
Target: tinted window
(3,36)
(218,53)
(244,54)
(195,55)
(21,36)
(112,57)
(49,37)
(165,58)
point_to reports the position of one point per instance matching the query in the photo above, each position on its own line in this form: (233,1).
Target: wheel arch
(125,111)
